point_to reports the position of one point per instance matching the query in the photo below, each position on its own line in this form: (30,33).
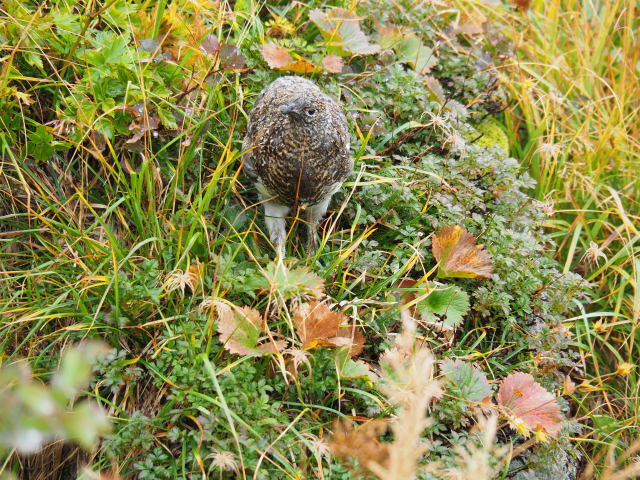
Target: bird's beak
(290,109)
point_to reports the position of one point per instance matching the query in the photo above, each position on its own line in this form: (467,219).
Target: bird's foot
(312,243)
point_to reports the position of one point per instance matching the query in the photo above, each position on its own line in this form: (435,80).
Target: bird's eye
(311,112)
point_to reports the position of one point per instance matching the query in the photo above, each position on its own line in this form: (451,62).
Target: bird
(296,153)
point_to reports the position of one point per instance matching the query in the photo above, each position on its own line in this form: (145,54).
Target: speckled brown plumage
(297,151)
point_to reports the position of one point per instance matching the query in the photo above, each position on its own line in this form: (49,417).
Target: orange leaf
(458,255)
(523,5)
(332,63)
(301,66)
(318,326)
(529,406)
(279,58)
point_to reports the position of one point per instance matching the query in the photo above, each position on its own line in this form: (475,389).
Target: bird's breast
(298,165)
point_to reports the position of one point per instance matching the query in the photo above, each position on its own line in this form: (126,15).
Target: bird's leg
(314,215)
(275,214)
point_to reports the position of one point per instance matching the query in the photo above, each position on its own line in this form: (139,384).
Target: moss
(492,135)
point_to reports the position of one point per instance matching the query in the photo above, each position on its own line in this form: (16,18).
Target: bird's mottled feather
(295,158)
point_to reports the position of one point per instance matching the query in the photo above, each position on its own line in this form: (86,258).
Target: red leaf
(523,5)
(231,59)
(529,405)
(275,55)
(210,44)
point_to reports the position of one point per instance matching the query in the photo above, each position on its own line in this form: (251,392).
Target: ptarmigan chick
(297,153)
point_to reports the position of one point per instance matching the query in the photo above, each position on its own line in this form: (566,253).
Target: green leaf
(108,105)
(412,51)
(76,368)
(469,382)
(449,302)
(40,144)
(290,283)
(357,369)
(349,368)
(167,118)
(85,424)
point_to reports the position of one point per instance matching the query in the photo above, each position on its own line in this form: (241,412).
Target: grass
(575,80)
(124,216)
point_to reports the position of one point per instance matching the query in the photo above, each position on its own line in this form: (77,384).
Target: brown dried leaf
(279,58)
(332,63)
(137,110)
(362,443)
(529,406)
(434,85)
(318,326)
(568,386)
(351,337)
(240,331)
(197,28)
(315,323)
(458,255)
(301,66)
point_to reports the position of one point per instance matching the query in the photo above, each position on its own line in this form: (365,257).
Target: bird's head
(308,110)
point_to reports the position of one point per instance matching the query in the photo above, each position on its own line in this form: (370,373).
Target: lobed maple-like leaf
(279,58)
(317,325)
(362,443)
(240,331)
(458,255)
(290,283)
(529,406)
(449,302)
(445,305)
(471,382)
(341,29)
